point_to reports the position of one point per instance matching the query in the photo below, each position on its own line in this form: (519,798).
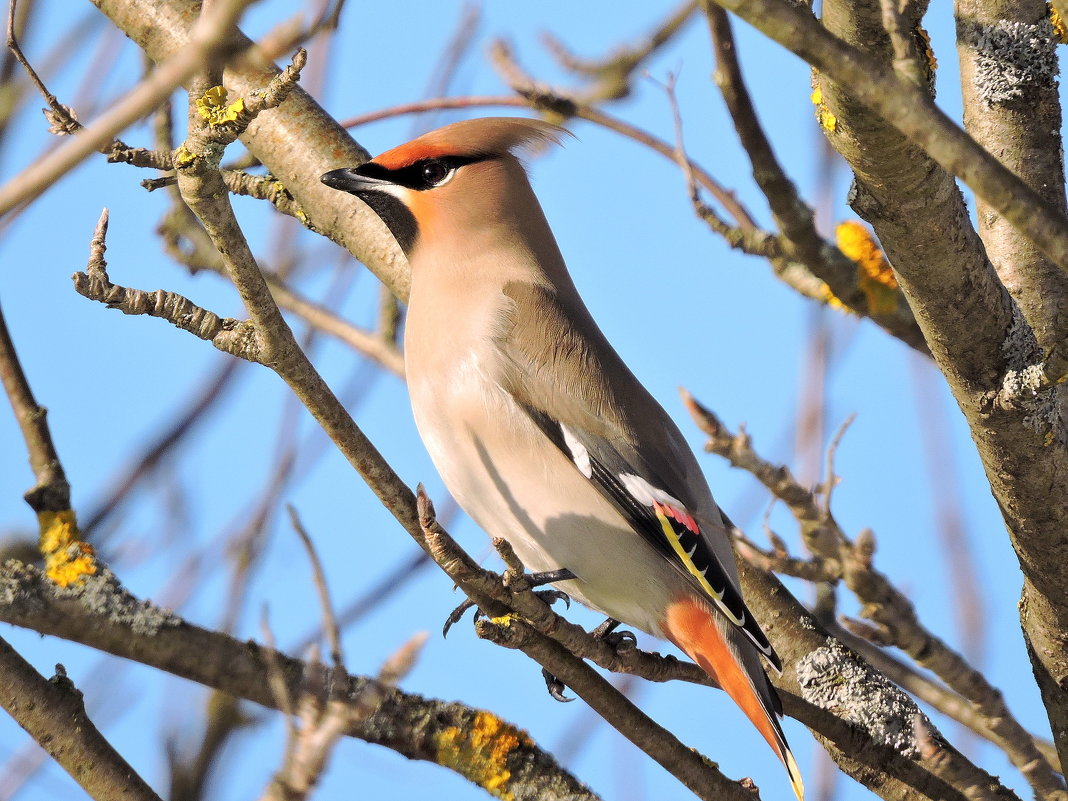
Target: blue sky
(681,307)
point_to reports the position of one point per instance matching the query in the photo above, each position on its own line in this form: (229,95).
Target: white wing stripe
(645,493)
(579,455)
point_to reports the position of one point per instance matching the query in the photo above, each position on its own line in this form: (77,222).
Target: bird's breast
(516,484)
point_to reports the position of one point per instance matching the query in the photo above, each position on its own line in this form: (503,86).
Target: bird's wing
(578,392)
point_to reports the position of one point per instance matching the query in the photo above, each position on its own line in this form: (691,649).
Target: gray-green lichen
(1022,385)
(102,594)
(24,587)
(1011,58)
(833,678)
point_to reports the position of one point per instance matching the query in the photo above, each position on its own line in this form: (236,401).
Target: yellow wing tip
(795,775)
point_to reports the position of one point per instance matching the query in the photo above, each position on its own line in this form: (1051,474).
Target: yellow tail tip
(795,776)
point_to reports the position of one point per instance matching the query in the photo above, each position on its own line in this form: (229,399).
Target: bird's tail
(691,625)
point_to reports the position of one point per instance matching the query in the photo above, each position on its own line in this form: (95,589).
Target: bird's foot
(622,640)
(619,640)
(552,596)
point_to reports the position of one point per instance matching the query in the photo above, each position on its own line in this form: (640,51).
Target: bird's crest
(484,137)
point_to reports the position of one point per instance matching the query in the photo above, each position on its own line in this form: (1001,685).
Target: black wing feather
(606,465)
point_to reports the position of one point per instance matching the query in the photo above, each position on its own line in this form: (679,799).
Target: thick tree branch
(909,109)
(102,615)
(1008,60)
(980,340)
(297,142)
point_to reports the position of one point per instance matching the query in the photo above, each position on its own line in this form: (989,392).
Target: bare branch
(909,109)
(51,492)
(330,626)
(102,615)
(209,36)
(54,715)
(612,76)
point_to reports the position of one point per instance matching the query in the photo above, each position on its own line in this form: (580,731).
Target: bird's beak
(348,180)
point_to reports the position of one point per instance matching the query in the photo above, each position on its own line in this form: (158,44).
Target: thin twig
(208,37)
(612,76)
(330,624)
(51,492)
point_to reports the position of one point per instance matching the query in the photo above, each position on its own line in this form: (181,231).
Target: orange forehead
(411,152)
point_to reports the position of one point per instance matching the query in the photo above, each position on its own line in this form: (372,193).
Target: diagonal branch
(209,36)
(838,559)
(793,217)
(52,712)
(51,492)
(908,108)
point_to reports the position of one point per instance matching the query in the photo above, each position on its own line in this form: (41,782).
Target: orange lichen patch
(927,50)
(1060,27)
(68,559)
(212,106)
(875,277)
(481,751)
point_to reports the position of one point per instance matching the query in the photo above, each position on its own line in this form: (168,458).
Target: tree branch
(297,142)
(210,35)
(54,715)
(102,615)
(908,108)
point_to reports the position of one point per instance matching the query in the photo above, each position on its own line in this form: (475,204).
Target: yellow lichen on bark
(67,558)
(874,275)
(827,120)
(212,106)
(1060,27)
(828,297)
(481,752)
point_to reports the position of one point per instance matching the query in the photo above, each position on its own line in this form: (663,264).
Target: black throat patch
(395,215)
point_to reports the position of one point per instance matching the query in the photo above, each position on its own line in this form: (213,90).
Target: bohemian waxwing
(536,425)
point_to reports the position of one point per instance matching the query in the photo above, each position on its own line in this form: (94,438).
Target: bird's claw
(456,614)
(622,640)
(552,596)
(555,687)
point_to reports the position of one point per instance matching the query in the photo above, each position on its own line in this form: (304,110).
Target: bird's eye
(436,173)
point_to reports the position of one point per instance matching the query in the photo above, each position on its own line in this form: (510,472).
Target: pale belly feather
(518,485)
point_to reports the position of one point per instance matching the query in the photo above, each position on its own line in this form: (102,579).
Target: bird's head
(453,180)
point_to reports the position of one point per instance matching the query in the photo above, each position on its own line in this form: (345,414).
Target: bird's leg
(549,577)
(532,580)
